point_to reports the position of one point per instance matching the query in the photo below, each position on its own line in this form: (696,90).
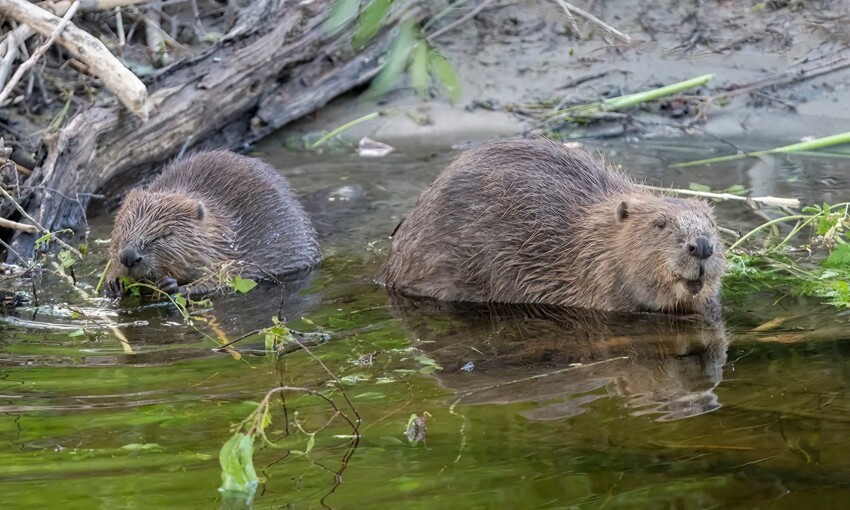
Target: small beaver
(205,211)
(533,221)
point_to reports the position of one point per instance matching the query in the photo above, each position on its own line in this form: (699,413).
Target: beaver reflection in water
(533,221)
(204,212)
(562,359)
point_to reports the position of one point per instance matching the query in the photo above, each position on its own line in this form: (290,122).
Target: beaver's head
(672,257)
(158,234)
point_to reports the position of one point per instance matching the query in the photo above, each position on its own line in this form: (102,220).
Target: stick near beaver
(211,211)
(533,221)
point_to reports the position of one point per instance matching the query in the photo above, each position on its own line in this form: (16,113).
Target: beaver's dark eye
(661,223)
(167,231)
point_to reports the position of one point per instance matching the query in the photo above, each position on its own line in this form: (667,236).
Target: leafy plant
(410,50)
(236,456)
(774,266)
(276,335)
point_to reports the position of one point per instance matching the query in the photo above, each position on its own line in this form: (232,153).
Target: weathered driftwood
(84,47)
(260,77)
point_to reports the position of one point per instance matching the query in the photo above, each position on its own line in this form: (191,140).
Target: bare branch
(87,49)
(37,224)
(463,19)
(596,22)
(32,229)
(26,66)
(768,201)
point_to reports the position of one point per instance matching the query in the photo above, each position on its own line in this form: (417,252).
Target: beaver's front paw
(170,286)
(114,288)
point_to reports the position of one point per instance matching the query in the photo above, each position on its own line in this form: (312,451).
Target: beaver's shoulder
(532,165)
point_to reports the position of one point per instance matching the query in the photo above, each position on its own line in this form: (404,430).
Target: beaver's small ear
(622,211)
(200,212)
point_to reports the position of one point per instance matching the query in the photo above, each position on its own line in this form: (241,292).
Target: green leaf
(42,240)
(66,260)
(266,419)
(242,285)
(310,443)
(142,447)
(695,186)
(419,69)
(735,189)
(372,395)
(839,258)
(396,59)
(446,74)
(237,464)
(180,300)
(342,11)
(76,333)
(370,21)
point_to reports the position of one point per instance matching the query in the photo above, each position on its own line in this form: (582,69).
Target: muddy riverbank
(515,55)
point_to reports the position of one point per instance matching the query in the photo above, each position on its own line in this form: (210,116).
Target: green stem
(618,103)
(811,145)
(102,277)
(322,140)
(765,225)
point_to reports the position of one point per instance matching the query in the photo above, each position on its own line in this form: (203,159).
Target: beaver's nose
(701,248)
(130,256)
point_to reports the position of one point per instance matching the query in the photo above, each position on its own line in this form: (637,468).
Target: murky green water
(529,410)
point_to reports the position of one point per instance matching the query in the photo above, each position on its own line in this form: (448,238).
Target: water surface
(526,409)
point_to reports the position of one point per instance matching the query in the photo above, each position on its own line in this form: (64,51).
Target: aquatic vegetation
(819,267)
(411,49)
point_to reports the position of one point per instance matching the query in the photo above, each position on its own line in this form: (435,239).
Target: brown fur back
(532,221)
(210,209)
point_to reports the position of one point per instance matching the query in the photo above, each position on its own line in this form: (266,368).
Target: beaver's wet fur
(534,221)
(207,211)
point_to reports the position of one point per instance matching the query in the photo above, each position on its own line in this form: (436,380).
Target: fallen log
(256,79)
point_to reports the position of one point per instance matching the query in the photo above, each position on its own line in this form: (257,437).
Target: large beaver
(210,210)
(533,221)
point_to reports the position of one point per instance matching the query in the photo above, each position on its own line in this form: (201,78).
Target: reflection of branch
(354,424)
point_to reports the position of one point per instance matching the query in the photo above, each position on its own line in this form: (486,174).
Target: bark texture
(260,76)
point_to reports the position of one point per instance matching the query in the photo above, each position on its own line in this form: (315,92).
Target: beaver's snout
(701,248)
(130,257)
(694,286)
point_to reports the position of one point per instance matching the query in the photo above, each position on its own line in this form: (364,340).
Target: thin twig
(39,225)
(155,35)
(768,201)
(125,344)
(119,27)
(14,225)
(23,68)
(463,19)
(571,19)
(596,22)
(11,54)
(86,48)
